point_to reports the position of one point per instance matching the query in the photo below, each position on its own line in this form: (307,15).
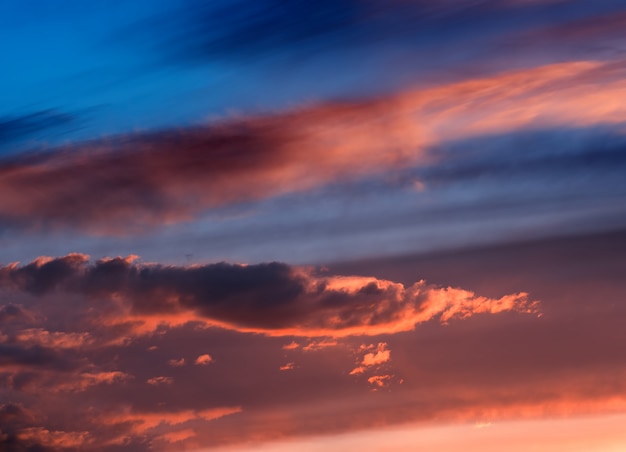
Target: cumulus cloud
(271,298)
(124,184)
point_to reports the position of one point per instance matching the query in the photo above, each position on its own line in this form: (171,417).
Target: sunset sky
(331,225)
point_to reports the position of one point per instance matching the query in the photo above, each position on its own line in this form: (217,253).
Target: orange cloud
(379,381)
(177,436)
(291,346)
(380,355)
(54,439)
(57,339)
(140,423)
(203,360)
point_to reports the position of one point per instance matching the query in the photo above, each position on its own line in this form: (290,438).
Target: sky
(335,225)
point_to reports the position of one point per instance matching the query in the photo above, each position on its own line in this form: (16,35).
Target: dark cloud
(14,313)
(16,356)
(273,297)
(13,419)
(15,128)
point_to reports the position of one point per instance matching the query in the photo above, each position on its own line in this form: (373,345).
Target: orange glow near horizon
(600,433)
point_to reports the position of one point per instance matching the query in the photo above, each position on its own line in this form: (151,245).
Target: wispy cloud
(15,128)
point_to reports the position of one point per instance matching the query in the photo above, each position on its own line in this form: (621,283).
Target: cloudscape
(334,225)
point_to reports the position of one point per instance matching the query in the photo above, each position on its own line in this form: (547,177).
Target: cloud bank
(272,298)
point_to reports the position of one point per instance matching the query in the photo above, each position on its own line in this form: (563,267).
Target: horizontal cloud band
(169,176)
(270,298)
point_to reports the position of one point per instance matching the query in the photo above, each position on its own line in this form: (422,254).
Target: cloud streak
(15,128)
(125,184)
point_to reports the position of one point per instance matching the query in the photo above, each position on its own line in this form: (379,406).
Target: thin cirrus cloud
(124,184)
(241,31)
(274,298)
(20,127)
